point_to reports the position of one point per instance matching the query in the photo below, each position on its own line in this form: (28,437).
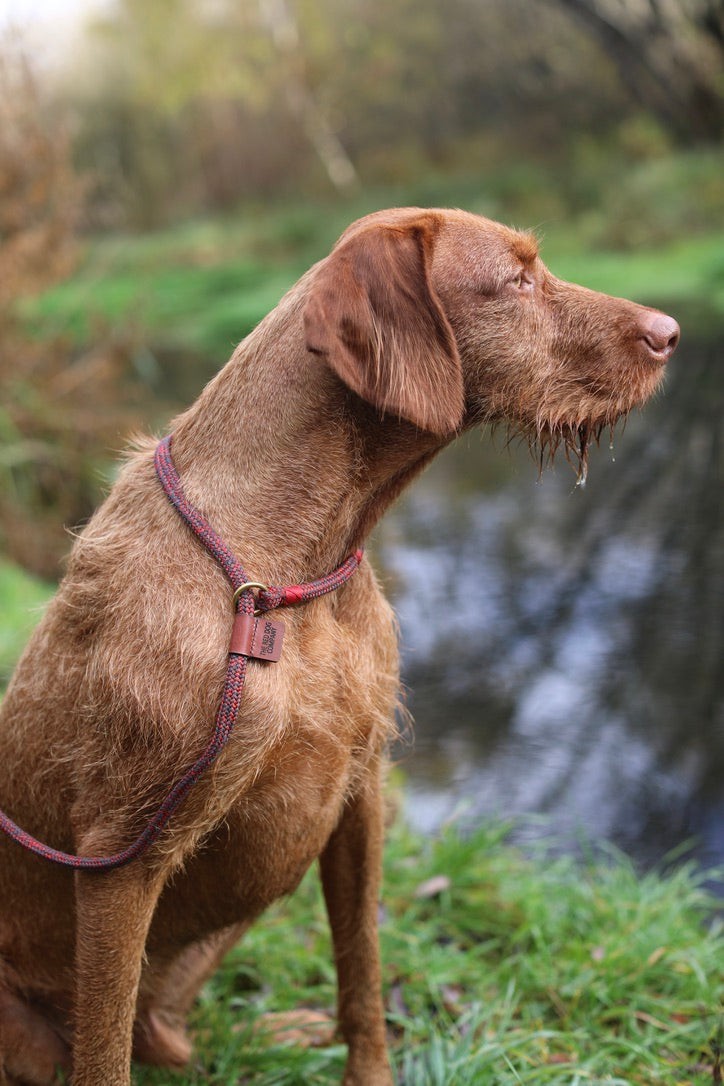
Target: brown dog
(419,325)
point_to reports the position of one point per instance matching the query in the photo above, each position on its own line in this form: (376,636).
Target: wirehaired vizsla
(420,324)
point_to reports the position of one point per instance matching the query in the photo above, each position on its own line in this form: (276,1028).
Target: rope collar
(252,636)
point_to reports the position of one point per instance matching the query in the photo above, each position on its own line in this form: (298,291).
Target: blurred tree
(180,99)
(670,53)
(38,193)
(448,76)
(281,23)
(184,104)
(58,413)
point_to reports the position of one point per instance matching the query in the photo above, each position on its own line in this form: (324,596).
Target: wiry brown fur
(414,328)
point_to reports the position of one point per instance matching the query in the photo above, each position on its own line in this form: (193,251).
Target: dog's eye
(521,281)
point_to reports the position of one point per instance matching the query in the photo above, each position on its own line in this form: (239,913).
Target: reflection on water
(563,648)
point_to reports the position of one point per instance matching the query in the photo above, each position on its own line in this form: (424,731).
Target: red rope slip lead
(268,598)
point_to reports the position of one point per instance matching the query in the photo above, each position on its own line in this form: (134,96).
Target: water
(562,646)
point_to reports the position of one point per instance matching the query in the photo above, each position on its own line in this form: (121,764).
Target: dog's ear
(375,317)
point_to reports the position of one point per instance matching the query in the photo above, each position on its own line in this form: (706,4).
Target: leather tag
(257,636)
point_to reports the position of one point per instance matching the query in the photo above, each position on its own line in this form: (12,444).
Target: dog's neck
(291,468)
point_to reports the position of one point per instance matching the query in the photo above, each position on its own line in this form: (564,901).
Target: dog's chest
(270,836)
(305,746)
(325,747)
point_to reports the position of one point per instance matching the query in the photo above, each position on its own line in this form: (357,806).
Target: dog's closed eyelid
(523,280)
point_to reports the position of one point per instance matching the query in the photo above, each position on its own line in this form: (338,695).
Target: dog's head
(447,319)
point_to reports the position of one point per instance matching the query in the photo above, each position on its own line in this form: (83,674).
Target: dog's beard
(547,440)
(575,441)
(576,436)
(568,425)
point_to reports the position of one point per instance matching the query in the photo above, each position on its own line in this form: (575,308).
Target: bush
(57,411)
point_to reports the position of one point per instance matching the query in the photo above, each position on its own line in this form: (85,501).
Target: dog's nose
(661,334)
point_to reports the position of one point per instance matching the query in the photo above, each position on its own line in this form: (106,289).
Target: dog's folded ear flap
(375,317)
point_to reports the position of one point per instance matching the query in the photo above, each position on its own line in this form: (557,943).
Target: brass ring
(248,585)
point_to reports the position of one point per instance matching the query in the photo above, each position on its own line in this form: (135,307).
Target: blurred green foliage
(181,106)
(58,408)
(192,291)
(22,597)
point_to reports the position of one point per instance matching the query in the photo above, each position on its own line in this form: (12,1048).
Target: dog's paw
(30,1050)
(159,1041)
(304,1028)
(366,1072)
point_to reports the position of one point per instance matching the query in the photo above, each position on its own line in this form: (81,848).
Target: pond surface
(562,648)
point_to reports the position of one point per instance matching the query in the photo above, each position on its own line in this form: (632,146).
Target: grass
(688,273)
(22,598)
(520,968)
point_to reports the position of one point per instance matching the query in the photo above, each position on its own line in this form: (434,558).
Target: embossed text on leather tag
(267,641)
(257,636)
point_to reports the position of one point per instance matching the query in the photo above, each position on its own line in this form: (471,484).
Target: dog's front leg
(114,911)
(351,866)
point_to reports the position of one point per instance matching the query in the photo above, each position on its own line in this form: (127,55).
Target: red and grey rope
(267,599)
